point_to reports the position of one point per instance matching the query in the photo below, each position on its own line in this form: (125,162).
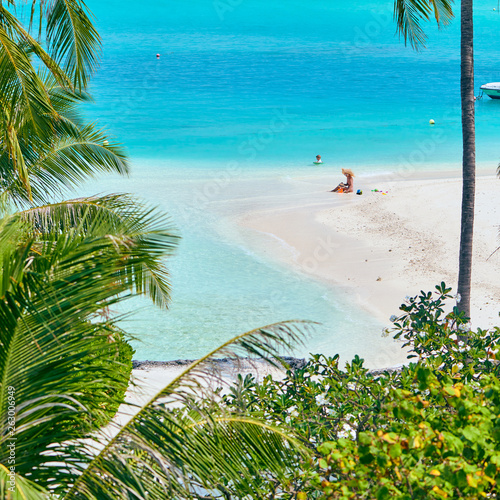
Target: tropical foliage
(440,439)
(56,282)
(60,34)
(172,448)
(43,151)
(409,15)
(65,265)
(41,75)
(428,430)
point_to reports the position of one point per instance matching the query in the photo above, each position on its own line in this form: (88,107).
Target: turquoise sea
(266,86)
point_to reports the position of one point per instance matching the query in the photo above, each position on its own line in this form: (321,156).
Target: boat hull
(493,93)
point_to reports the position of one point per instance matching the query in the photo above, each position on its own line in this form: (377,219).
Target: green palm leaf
(20,89)
(62,155)
(19,488)
(73,43)
(76,158)
(66,164)
(18,33)
(410,13)
(167,453)
(72,38)
(57,278)
(29,122)
(141,236)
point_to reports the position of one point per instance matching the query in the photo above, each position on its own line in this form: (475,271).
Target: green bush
(429,430)
(446,340)
(441,439)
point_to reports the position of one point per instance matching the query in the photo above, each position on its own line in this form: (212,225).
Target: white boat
(491,90)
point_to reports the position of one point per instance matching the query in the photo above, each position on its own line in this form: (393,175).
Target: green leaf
(472,433)
(383,493)
(171,454)
(73,39)
(395,450)
(15,487)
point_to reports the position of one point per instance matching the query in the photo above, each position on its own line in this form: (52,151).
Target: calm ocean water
(333,71)
(268,85)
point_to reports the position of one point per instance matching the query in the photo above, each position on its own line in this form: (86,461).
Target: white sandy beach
(375,248)
(381,247)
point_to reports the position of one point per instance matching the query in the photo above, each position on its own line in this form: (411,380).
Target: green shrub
(429,430)
(445,340)
(439,440)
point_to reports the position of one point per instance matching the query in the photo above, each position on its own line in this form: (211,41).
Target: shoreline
(375,248)
(400,237)
(282,221)
(345,243)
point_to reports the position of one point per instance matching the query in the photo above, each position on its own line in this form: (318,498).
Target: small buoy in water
(157,56)
(432,122)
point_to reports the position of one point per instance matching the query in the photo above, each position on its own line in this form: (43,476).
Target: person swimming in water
(318,159)
(345,187)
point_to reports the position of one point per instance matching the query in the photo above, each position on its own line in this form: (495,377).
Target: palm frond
(73,40)
(409,14)
(57,278)
(48,337)
(16,487)
(21,89)
(174,454)
(13,256)
(443,11)
(140,235)
(16,157)
(37,165)
(16,31)
(66,102)
(20,81)
(75,158)
(66,164)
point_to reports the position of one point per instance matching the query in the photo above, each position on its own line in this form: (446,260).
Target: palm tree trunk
(469,155)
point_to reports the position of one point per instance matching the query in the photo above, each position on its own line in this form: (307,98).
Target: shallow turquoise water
(220,288)
(266,86)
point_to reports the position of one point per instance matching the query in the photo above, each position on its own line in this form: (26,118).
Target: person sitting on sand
(345,187)
(318,159)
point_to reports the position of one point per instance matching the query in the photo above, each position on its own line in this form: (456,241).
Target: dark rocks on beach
(294,363)
(377,372)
